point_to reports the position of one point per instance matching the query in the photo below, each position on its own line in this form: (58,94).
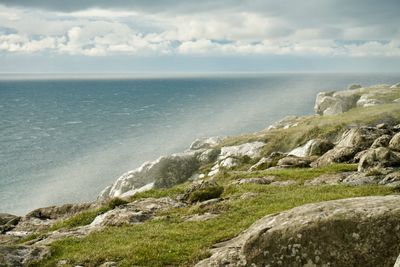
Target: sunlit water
(65,140)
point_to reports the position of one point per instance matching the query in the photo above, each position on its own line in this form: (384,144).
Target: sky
(102,36)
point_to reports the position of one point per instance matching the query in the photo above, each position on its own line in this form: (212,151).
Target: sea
(64,138)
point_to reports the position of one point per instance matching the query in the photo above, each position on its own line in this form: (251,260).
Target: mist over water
(65,140)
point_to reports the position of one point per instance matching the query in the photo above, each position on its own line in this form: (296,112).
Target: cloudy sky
(207,35)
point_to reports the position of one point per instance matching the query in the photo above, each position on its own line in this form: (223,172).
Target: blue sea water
(64,140)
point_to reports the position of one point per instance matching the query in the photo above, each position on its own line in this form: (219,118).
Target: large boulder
(135,212)
(166,171)
(295,162)
(349,232)
(351,142)
(378,157)
(332,103)
(395,142)
(7,222)
(267,162)
(369,100)
(251,150)
(382,141)
(314,147)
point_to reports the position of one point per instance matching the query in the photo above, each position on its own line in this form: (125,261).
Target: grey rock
(349,232)
(166,171)
(8,222)
(382,141)
(335,155)
(357,179)
(284,183)
(261,180)
(378,157)
(314,147)
(205,143)
(285,123)
(327,179)
(267,162)
(391,179)
(395,142)
(295,162)
(15,256)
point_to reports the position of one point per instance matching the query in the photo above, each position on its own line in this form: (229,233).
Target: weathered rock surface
(335,155)
(257,180)
(205,143)
(327,179)
(8,222)
(391,179)
(22,255)
(349,232)
(358,178)
(395,142)
(295,162)
(332,103)
(135,212)
(166,171)
(378,157)
(382,141)
(267,162)
(314,147)
(285,123)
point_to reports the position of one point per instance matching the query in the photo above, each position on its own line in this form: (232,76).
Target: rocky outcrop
(267,162)
(314,147)
(8,222)
(205,143)
(295,162)
(380,157)
(349,232)
(395,142)
(135,212)
(22,255)
(351,142)
(166,171)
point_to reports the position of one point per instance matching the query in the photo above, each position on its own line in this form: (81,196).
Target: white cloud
(100,32)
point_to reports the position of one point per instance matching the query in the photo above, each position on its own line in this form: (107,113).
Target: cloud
(230,27)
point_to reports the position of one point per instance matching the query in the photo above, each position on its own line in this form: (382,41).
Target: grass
(310,127)
(171,241)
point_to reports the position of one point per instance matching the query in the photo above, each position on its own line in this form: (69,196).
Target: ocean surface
(63,140)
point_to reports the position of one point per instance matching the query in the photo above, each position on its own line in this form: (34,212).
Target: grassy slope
(171,241)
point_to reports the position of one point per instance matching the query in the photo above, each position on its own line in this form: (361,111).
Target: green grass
(310,127)
(171,241)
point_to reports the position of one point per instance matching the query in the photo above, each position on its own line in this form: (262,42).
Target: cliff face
(220,186)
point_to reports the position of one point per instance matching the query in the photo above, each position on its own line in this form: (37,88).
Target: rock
(229,163)
(361,137)
(332,103)
(201,191)
(397,263)
(351,142)
(58,212)
(205,143)
(349,232)
(335,155)
(391,179)
(369,100)
(285,123)
(314,147)
(8,222)
(209,156)
(294,162)
(144,188)
(267,162)
(284,183)
(354,86)
(251,150)
(327,179)
(262,180)
(395,142)
(395,86)
(22,255)
(166,171)
(378,157)
(201,217)
(397,100)
(382,141)
(135,212)
(357,179)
